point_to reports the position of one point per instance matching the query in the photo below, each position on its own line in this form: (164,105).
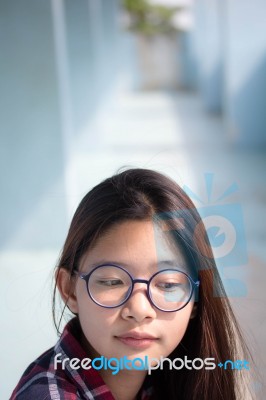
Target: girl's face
(142,250)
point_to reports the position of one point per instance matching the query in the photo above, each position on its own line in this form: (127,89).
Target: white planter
(158,60)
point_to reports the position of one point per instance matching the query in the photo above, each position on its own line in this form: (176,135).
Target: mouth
(137,340)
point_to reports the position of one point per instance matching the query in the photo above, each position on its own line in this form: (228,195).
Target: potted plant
(156,29)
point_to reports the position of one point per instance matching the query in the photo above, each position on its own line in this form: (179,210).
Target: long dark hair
(141,194)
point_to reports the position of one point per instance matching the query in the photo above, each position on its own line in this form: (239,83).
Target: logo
(146,363)
(224,223)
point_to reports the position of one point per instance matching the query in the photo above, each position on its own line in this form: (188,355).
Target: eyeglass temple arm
(75,272)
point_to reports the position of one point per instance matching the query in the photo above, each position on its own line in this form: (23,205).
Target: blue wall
(58,61)
(245,91)
(230,39)
(31,144)
(210,52)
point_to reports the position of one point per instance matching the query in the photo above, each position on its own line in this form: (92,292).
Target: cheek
(94,321)
(92,316)
(176,327)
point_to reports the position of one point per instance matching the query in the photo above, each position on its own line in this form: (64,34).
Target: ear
(194,311)
(66,286)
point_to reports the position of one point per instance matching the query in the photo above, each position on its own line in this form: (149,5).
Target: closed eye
(169,286)
(110,282)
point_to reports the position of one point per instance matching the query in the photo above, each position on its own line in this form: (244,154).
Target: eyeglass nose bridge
(140,281)
(133,281)
(130,291)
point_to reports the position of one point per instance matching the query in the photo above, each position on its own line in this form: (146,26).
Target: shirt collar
(88,381)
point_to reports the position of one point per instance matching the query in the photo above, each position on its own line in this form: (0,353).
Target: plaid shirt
(41,381)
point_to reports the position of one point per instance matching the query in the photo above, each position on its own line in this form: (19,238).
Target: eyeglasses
(110,286)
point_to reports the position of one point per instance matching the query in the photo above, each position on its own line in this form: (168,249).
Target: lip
(137,335)
(137,340)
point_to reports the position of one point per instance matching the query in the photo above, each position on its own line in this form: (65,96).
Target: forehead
(135,245)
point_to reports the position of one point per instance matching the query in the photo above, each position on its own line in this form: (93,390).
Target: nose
(138,306)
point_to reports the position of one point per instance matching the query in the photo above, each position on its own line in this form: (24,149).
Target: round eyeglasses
(111,286)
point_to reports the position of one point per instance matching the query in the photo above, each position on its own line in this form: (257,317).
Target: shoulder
(52,377)
(41,381)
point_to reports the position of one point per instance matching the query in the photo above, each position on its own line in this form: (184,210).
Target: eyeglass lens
(110,286)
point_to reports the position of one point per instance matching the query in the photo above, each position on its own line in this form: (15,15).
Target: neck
(125,385)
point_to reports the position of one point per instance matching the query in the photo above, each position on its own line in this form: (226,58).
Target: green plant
(150,19)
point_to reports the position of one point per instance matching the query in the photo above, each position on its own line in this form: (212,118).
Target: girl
(138,273)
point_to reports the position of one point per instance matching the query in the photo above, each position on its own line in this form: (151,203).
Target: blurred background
(89,86)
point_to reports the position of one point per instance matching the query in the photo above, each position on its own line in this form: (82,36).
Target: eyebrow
(170,263)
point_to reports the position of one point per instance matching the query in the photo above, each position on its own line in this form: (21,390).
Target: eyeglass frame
(86,278)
